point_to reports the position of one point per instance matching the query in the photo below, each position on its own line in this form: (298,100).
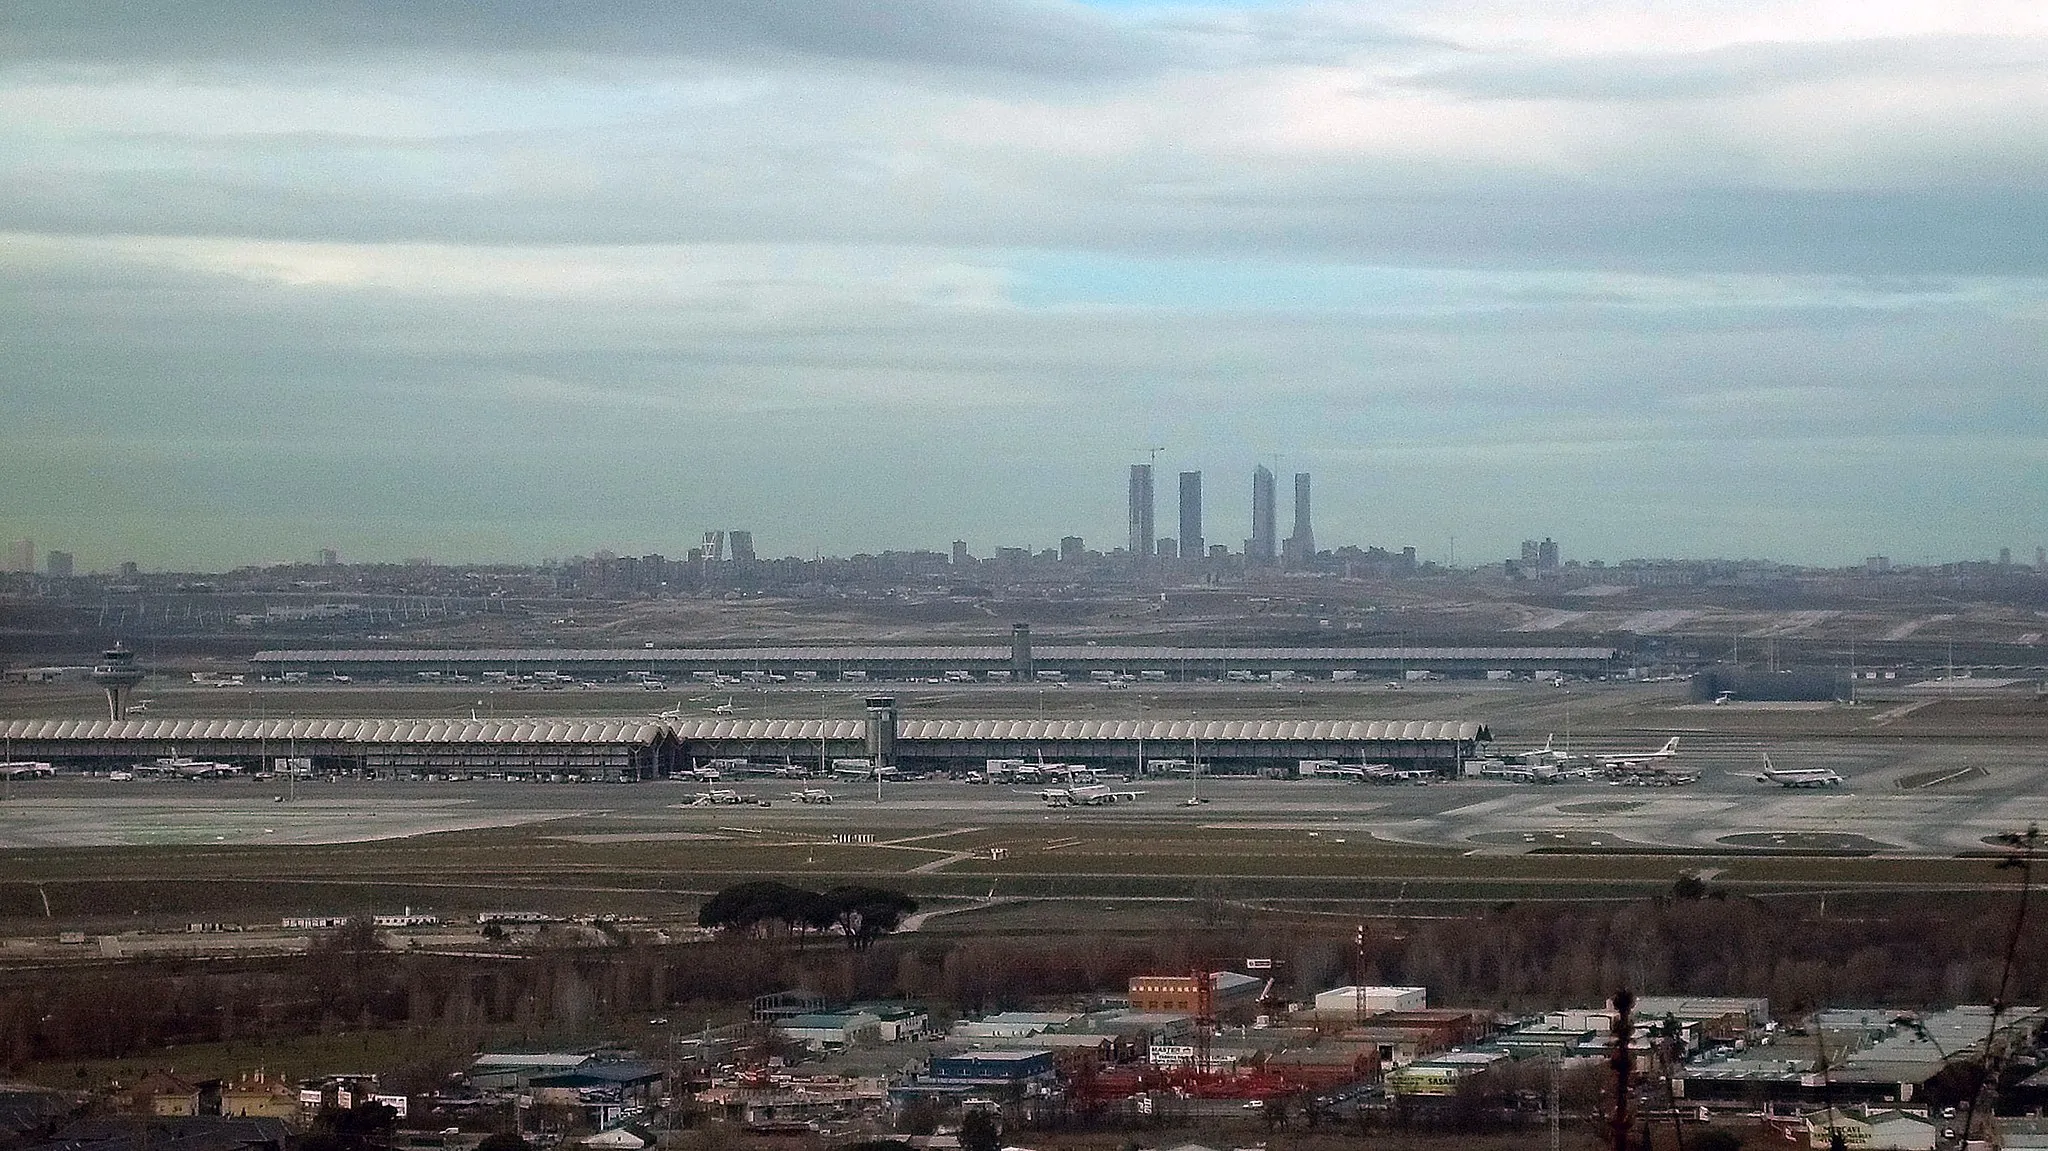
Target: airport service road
(1967,794)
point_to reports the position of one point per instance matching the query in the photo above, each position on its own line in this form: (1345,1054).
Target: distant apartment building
(1167,548)
(21,556)
(328,558)
(960,556)
(1071,549)
(59,564)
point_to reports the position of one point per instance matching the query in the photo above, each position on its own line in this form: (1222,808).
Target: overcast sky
(525,279)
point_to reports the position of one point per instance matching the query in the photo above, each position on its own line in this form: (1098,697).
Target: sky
(510,279)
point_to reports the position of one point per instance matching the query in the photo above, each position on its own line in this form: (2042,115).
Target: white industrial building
(1372,1000)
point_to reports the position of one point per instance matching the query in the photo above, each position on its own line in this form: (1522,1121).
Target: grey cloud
(1731,70)
(1027,36)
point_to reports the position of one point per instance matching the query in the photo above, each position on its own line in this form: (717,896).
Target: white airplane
(1381,774)
(725,708)
(675,712)
(184,768)
(1668,751)
(716,796)
(704,774)
(1092,795)
(1799,776)
(137,707)
(811,795)
(1355,773)
(27,769)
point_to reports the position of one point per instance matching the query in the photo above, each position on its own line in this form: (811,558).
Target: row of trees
(1898,950)
(860,914)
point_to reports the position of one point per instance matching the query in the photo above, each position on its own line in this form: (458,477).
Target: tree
(865,914)
(503,1141)
(981,1131)
(1689,886)
(745,906)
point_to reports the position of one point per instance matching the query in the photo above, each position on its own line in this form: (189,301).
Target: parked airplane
(1355,773)
(1378,773)
(719,795)
(27,769)
(1091,795)
(183,768)
(1799,776)
(1668,751)
(811,795)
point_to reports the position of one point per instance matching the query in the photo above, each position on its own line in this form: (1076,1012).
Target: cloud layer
(520,278)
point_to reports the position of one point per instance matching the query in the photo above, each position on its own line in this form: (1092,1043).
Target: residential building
(59,565)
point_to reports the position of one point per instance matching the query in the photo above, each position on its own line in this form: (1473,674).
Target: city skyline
(1757,280)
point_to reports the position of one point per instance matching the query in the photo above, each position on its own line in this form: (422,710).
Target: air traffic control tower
(117,673)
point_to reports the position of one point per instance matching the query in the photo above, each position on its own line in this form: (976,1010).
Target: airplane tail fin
(1671,746)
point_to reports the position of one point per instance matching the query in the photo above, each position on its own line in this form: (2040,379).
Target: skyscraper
(1260,548)
(1191,546)
(1301,546)
(1141,511)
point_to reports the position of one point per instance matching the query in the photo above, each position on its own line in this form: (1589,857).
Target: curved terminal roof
(627,658)
(647,731)
(607,731)
(1217,730)
(767,729)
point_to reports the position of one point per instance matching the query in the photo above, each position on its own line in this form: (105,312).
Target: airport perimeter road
(1915,797)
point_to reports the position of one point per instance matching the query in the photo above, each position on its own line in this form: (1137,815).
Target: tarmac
(1914,798)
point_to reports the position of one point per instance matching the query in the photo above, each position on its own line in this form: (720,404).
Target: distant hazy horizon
(514,280)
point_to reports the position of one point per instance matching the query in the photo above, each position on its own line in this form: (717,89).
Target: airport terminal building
(627,750)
